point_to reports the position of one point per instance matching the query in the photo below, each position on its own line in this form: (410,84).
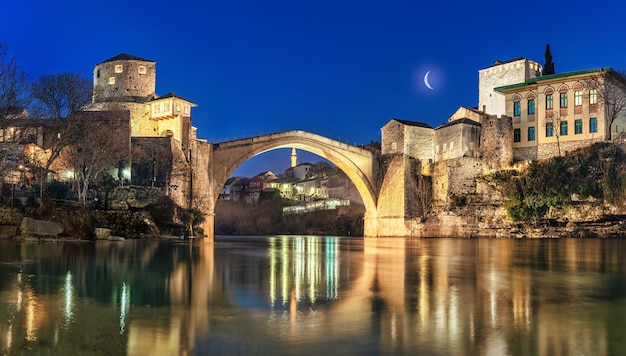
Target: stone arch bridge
(383,194)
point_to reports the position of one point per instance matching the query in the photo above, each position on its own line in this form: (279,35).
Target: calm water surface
(314,295)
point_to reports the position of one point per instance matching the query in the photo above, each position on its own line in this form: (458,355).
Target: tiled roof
(171,95)
(531,81)
(413,123)
(459,121)
(126,57)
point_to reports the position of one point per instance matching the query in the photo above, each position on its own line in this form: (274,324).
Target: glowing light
(67,174)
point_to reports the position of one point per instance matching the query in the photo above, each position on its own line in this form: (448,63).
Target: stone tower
(124,78)
(500,74)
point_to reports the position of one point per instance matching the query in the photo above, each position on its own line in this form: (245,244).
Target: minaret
(294,158)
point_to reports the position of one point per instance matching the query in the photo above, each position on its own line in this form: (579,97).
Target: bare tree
(424,193)
(101,145)
(610,89)
(13,84)
(553,118)
(56,96)
(13,102)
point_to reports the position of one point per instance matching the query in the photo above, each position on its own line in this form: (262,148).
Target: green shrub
(597,171)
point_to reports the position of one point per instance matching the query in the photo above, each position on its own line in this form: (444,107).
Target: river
(314,295)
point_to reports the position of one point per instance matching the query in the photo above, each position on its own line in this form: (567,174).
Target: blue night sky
(337,68)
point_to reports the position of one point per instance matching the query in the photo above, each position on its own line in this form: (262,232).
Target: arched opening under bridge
(360,165)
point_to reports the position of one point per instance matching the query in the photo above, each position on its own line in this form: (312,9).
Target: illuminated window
(531,106)
(578,126)
(563,128)
(549,129)
(177,106)
(186,109)
(111,80)
(166,106)
(119,68)
(563,98)
(593,96)
(517,111)
(531,133)
(549,103)
(157,108)
(142,69)
(593,124)
(578,98)
(394,146)
(517,135)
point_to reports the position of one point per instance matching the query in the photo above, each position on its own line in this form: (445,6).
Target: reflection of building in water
(460,296)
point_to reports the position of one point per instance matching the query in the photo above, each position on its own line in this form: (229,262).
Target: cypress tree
(548,68)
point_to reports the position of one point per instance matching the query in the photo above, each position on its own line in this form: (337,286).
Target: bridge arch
(360,165)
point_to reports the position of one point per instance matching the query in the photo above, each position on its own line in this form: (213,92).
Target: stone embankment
(128,212)
(484,215)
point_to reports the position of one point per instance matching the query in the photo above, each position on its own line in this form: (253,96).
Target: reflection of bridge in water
(380,183)
(402,296)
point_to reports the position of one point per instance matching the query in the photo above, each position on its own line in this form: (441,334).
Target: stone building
(408,137)
(161,137)
(126,82)
(499,74)
(557,113)
(458,138)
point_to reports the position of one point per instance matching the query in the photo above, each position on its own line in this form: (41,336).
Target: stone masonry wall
(419,143)
(496,141)
(455,178)
(549,150)
(525,154)
(392,138)
(129,85)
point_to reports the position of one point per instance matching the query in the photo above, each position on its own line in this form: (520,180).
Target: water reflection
(314,294)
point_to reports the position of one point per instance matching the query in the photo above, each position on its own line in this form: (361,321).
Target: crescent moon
(426,81)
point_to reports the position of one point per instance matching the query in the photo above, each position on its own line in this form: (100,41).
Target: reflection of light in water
(19,292)
(313,267)
(124,305)
(424,291)
(272,255)
(9,337)
(454,315)
(304,266)
(68,299)
(285,273)
(300,265)
(31,310)
(394,331)
(493,283)
(332,267)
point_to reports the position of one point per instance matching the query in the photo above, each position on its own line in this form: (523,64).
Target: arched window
(517,108)
(563,96)
(530,103)
(549,92)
